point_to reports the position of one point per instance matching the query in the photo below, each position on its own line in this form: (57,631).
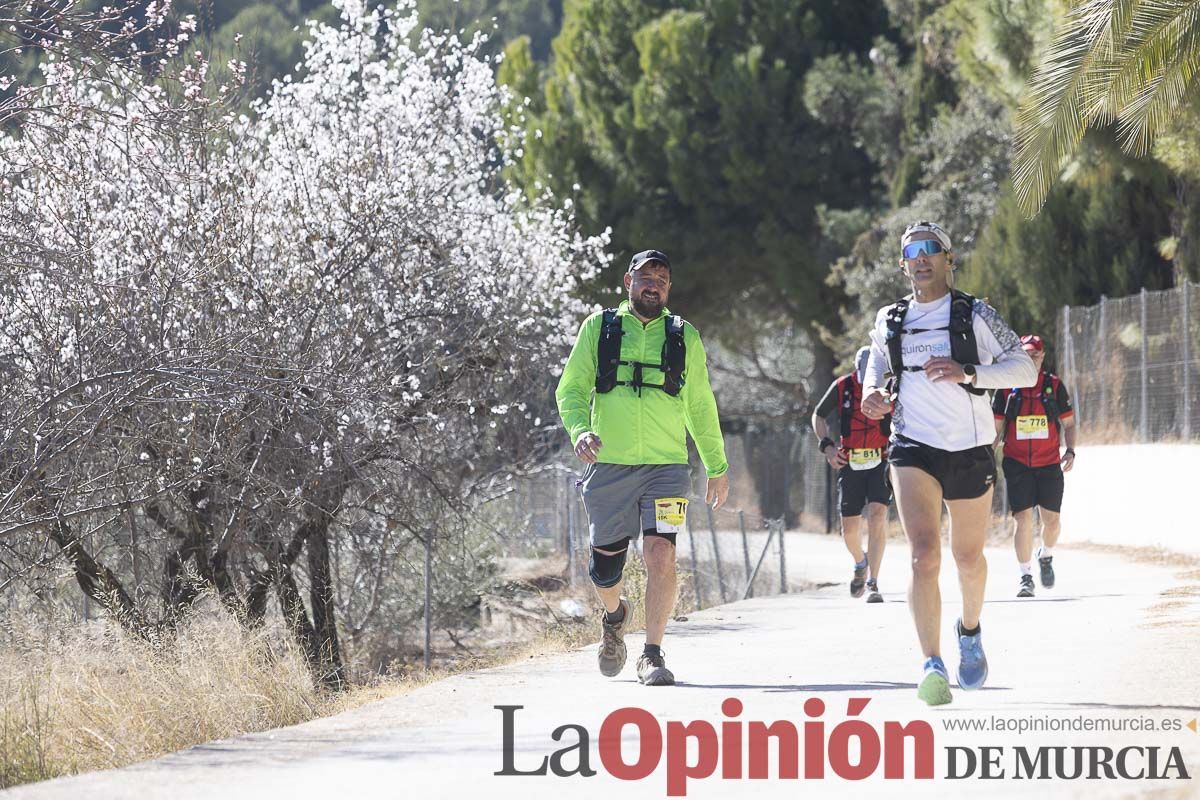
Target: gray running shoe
(612,653)
(873,595)
(1046,563)
(652,670)
(858,582)
(1026,586)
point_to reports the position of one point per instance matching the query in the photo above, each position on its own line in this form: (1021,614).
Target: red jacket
(1032,438)
(864,433)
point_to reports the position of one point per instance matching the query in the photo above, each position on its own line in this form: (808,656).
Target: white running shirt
(943,414)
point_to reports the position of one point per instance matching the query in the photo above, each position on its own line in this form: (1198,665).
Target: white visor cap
(926,227)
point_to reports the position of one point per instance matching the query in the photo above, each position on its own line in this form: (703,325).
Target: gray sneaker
(873,595)
(858,582)
(612,653)
(1047,568)
(652,670)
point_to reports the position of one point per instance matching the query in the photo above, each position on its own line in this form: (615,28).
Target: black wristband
(825,442)
(1070,450)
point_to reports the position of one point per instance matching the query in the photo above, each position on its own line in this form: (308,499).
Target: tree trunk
(323,611)
(294,613)
(99,582)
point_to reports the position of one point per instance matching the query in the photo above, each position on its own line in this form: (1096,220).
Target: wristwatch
(969,371)
(825,442)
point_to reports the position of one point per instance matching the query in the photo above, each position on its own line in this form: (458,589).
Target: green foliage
(1097,233)
(1111,60)
(685,127)
(502,20)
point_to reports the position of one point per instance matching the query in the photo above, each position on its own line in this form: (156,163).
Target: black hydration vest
(963,347)
(849,402)
(608,357)
(1048,396)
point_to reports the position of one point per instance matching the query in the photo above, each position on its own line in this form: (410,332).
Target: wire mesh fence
(1132,363)
(723,555)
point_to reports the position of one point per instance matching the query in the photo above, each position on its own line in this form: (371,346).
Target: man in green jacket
(626,420)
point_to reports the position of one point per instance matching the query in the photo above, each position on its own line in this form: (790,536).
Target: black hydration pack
(1048,396)
(850,401)
(963,347)
(608,357)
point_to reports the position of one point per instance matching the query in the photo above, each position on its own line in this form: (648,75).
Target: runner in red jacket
(1032,424)
(859,454)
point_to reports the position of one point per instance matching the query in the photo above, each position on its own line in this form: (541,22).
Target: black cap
(649,255)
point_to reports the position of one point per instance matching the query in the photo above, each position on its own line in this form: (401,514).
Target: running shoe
(873,595)
(972,664)
(858,582)
(935,685)
(612,647)
(1047,571)
(1026,589)
(652,670)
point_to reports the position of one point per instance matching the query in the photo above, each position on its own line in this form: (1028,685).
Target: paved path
(1118,640)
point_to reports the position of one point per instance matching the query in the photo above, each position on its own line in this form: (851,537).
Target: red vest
(863,433)
(1032,439)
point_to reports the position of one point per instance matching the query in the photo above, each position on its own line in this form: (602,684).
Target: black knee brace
(605,569)
(670,537)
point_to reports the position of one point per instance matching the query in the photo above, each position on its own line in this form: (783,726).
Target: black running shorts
(963,474)
(1033,486)
(857,488)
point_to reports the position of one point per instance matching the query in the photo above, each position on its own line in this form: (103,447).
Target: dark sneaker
(873,595)
(1026,589)
(858,582)
(612,647)
(1047,571)
(652,670)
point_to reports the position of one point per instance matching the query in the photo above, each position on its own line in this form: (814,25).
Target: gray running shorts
(619,498)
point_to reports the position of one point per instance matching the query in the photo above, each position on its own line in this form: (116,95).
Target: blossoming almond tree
(226,338)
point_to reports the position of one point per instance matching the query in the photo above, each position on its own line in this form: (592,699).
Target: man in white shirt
(942,348)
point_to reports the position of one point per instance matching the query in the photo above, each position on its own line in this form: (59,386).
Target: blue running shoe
(972,665)
(935,686)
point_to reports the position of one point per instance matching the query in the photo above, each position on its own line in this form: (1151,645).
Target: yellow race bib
(862,459)
(670,513)
(1034,426)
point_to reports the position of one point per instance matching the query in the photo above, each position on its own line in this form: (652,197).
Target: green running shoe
(935,686)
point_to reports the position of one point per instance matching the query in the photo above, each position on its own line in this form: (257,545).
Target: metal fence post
(1103,359)
(1145,406)
(570,509)
(758,564)
(1064,344)
(1187,365)
(712,528)
(428,598)
(745,545)
(828,470)
(783,585)
(695,567)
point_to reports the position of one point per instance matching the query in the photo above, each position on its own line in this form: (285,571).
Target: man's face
(926,271)
(648,287)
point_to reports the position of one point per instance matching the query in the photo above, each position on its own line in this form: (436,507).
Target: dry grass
(77,698)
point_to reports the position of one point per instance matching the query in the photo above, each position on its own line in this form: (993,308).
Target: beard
(648,309)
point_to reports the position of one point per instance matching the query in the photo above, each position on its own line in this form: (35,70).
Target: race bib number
(670,513)
(1035,426)
(865,459)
